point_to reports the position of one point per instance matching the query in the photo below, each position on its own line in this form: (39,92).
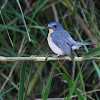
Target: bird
(61,42)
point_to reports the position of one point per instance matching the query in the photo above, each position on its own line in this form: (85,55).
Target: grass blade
(45,95)
(29,78)
(71,85)
(6,29)
(94,63)
(23,19)
(92,53)
(21,86)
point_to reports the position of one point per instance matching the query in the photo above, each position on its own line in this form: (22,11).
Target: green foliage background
(22,33)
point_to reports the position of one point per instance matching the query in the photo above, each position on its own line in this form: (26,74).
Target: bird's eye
(54,26)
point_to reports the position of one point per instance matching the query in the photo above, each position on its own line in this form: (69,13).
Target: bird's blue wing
(66,36)
(62,44)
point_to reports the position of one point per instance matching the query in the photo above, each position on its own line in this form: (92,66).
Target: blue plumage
(60,40)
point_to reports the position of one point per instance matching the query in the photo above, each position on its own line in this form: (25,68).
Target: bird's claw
(56,56)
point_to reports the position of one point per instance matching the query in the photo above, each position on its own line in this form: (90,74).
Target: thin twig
(20,53)
(55,12)
(34,58)
(3,75)
(3,6)
(98,90)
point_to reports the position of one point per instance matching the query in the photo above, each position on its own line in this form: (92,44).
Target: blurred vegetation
(22,33)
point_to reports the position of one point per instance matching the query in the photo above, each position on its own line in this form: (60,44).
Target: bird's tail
(83,43)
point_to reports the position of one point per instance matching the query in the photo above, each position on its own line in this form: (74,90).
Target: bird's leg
(63,57)
(46,56)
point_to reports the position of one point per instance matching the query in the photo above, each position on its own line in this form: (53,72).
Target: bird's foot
(46,57)
(56,56)
(63,56)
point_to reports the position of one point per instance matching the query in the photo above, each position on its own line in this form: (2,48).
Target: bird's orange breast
(50,32)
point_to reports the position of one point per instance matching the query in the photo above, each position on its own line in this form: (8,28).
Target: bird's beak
(49,27)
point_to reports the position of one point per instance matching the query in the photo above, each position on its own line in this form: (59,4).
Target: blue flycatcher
(60,41)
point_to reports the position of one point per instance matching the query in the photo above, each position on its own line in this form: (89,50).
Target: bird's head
(54,26)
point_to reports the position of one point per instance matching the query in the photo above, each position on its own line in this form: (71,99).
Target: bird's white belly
(55,48)
(75,47)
